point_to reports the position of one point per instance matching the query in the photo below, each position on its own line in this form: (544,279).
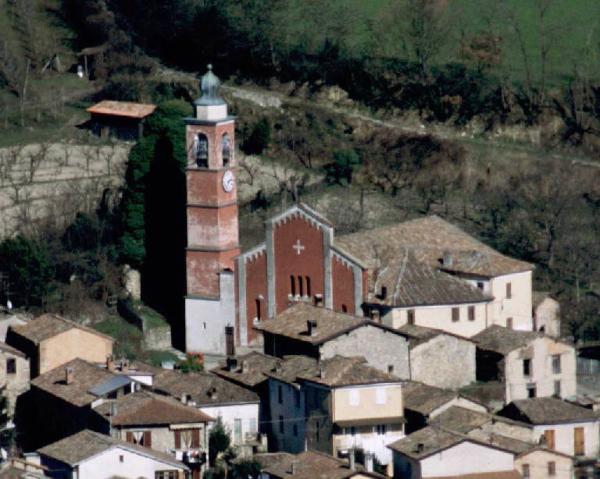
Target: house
(546,314)
(433,452)
(422,403)
(237,407)
(311,465)
(454,357)
(530,364)
(562,426)
(50,341)
(14,374)
(90,455)
(120,119)
(334,406)
(250,371)
(160,423)
(69,394)
(322,333)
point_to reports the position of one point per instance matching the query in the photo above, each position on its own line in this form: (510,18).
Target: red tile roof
(122,108)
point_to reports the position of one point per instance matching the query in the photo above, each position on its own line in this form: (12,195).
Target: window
(383,292)
(531,391)
(354,397)
(187,438)
(297,398)
(11,366)
(526,367)
(579,441)
(455,314)
(552,468)
(557,388)
(237,431)
(471,313)
(344,308)
(381,429)
(380,396)
(480,285)
(300,286)
(292,285)
(390,369)
(281,424)
(549,438)
(526,471)
(350,431)
(225,149)
(509,323)
(165,475)
(280,394)
(295,429)
(508,290)
(252,425)
(121,458)
(201,150)
(141,438)
(258,311)
(556,367)
(410,315)
(308,292)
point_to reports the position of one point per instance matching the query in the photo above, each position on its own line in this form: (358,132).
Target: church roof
(293,323)
(430,239)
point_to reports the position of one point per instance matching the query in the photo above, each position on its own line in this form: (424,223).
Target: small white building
(546,314)
(90,455)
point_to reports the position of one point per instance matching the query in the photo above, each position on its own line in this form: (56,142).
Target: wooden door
(229,342)
(579,442)
(549,436)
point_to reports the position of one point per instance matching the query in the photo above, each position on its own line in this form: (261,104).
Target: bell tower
(212,222)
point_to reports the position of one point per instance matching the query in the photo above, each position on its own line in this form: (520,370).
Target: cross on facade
(299,247)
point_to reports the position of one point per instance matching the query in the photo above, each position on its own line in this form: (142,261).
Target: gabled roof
(144,408)
(50,325)
(203,388)
(292,367)
(538,298)
(85,377)
(292,323)
(301,209)
(421,334)
(430,239)
(491,394)
(503,340)
(540,411)
(425,399)
(460,419)
(10,350)
(122,108)
(86,444)
(251,369)
(410,282)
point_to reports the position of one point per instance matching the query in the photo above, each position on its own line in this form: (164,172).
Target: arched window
(258,311)
(201,150)
(292,285)
(308,292)
(300,286)
(225,149)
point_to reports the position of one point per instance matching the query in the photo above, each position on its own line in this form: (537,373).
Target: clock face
(228,181)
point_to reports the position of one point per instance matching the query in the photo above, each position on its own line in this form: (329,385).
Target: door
(579,442)
(229,343)
(549,436)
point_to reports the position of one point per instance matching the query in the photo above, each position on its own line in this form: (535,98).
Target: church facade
(425,272)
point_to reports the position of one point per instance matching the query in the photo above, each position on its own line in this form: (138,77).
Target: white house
(89,455)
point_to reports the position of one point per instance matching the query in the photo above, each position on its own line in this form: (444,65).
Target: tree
(191,363)
(259,139)
(219,441)
(29,270)
(246,469)
(345,163)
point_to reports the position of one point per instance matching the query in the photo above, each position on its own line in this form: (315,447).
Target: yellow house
(51,341)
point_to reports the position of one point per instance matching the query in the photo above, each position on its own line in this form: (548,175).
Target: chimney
(184,398)
(447,259)
(420,448)
(231,363)
(212,393)
(110,363)
(245,367)
(352,459)
(383,292)
(321,372)
(375,315)
(318,300)
(369,461)
(311,325)
(293,468)
(69,375)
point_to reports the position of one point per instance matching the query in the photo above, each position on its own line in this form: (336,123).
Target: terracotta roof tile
(122,108)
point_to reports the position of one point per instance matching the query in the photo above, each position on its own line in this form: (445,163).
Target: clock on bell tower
(212,211)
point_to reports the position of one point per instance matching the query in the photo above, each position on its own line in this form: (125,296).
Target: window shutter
(147,438)
(177,439)
(196,438)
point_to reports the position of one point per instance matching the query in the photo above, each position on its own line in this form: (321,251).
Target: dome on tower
(209,86)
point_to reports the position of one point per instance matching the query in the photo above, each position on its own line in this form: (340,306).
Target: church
(424,272)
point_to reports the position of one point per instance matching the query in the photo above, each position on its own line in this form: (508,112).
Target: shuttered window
(455,314)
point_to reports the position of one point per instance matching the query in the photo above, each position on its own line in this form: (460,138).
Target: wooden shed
(120,119)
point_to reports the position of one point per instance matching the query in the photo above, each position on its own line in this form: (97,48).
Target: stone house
(50,341)
(434,452)
(560,425)
(423,403)
(546,314)
(335,406)
(237,407)
(312,464)
(90,455)
(322,333)
(160,423)
(14,374)
(444,247)
(454,357)
(250,371)
(69,394)
(530,364)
